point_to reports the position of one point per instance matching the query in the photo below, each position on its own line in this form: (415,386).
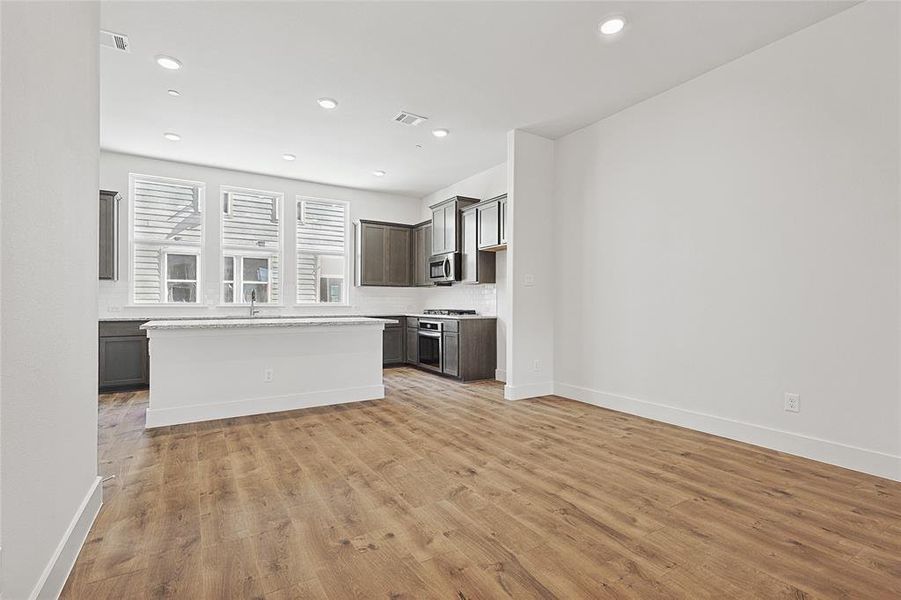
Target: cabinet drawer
(121,328)
(453,326)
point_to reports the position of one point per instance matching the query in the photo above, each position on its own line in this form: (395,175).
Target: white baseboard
(528,390)
(500,375)
(161,417)
(60,565)
(851,457)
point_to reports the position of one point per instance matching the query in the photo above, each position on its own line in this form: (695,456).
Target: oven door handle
(431,334)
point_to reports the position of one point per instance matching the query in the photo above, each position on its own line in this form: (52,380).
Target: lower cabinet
(393,342)
(451,353)
(123,356)
(412,345)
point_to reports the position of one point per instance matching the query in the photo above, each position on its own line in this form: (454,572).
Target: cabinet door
(393,345)
(399,256)
(503,220)
(424,269)
(123,362)
(438,228)
(373,254)
(450,228)
(470,260)
(109,238)
(412,346)
(451,354)
(489,231)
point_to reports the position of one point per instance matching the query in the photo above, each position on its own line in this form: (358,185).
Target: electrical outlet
(792,402)
(267,375)
(529,280)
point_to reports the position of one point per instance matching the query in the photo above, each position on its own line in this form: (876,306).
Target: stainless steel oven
(444,267)
(430,348)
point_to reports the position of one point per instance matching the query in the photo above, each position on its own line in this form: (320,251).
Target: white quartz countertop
(181,318)
(454,317)
(245,323)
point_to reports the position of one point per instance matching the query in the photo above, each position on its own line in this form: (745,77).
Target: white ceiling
(253,71)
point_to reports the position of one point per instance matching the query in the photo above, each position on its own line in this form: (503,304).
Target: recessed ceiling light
(612,26)
(174,93)
(327,103)
(288,156)
(378,173)
(440,133)
(172,137)
(167,62)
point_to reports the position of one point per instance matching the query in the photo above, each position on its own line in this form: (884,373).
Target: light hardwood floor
(443,490)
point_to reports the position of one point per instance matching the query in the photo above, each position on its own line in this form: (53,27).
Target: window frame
(346,253)
(165,248)
(239,253)
(167,251)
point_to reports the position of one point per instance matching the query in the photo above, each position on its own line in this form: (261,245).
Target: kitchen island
(206,369)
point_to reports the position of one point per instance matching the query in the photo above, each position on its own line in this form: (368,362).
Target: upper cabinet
(109,235)
(493,223)
(384,254)
(422,250)
(476,265)
(446,224)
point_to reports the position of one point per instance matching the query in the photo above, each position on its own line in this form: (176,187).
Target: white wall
(736,238)
(530,294)
(115,296)
(48,335)
(486,298)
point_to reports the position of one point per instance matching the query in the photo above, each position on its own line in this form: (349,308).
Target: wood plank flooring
(443,490)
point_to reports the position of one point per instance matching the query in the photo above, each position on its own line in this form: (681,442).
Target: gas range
(448,311)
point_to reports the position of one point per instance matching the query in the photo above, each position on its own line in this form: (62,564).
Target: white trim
(528,390)
(55,574)
(872,462)
(500,375)
(162,417)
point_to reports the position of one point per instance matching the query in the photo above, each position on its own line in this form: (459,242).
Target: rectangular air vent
(116,41)
(408,118)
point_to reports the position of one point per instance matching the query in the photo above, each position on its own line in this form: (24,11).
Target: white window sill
(167,305)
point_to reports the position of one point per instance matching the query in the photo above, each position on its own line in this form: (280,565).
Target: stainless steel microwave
(444,267)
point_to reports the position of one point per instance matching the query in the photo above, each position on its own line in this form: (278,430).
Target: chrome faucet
(253,300)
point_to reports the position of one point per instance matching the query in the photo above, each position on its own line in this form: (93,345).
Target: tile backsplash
(482,298)
(363,300)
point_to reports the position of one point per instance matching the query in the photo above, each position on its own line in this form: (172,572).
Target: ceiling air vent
(408,118)
(116,41)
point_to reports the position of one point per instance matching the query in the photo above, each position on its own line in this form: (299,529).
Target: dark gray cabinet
(422,248)
(393,338)
(477,266)
(492,218)
(383,254)
(399,256)
(412,345)
(446,224)
(124,356)
(451,354)
(109,235)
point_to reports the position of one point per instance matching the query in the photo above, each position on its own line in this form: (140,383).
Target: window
(250,274)
(251,246)
(181,277)
(166,237)
(322,251)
